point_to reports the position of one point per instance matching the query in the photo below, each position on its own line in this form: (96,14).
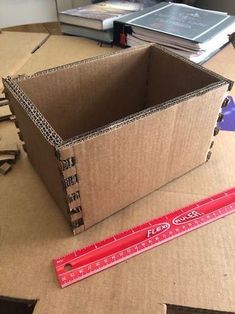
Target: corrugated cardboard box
(115,128)
(195,271)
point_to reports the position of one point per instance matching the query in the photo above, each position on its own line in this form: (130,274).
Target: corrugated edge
(126,51)
(77,63)
(35,115)
(51,135)
(137,116)
(70,178)
(216,129)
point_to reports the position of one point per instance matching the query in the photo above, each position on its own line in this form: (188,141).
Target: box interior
(87,95)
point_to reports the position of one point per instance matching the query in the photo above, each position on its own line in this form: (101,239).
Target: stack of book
(193,33)
(95,21)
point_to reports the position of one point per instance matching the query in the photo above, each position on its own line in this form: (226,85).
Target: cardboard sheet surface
(145,165)
(60,50)
(222,63)
(16,49)
(196,270)
(143,151)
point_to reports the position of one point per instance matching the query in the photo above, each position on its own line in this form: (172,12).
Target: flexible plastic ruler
(111,251)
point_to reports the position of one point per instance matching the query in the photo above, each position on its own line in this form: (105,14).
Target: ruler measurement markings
(135,240)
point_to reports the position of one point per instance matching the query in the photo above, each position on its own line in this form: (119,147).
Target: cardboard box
(196,270)
(115,128)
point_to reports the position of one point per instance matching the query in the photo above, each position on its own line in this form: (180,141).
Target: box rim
(58,142)
(125,51)
(83,137)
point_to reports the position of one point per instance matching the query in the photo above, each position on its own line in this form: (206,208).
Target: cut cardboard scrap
(139,134)
(5,113)
(9,153)
(7,148)
(9,158)
(5,168)
(12,118)
(3,102)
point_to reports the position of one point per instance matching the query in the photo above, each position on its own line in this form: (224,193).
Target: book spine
(70,179)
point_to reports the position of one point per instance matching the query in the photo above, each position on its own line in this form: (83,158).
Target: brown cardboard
(111,138)
(196,270)
(4,167)
(9,158)
(16,49)
(5,112)
(59,50)
(51,28)
(10,148)
(222,63)
(3,102)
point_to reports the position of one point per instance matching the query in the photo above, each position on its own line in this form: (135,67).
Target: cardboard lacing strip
(216,129)
(71,184)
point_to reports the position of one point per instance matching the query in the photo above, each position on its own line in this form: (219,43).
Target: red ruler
(111,251)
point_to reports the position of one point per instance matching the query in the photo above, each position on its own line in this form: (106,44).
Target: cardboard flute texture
(102,137)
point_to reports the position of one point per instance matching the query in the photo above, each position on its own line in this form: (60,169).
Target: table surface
(196,270)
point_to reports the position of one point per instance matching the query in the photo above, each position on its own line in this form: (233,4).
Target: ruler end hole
(68,267)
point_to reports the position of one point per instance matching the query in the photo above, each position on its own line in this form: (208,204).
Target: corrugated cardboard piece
(196,270)
(59,50)
(197,182)
(122,136)
(16,49)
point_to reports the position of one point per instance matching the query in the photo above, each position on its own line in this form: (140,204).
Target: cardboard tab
(4,102)
(5,168)
(7,147)
(5,113)
(7,158)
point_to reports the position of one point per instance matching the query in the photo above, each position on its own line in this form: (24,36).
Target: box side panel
(194,128)
(90,94)
(171,77)
(41,154)
(119,167)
